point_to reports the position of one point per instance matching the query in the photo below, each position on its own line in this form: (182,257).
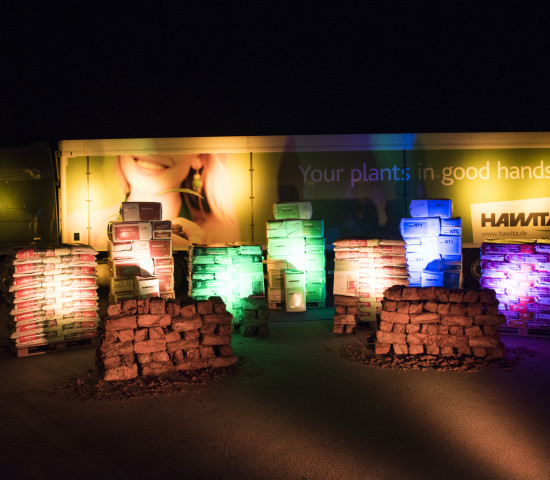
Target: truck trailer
(361,186)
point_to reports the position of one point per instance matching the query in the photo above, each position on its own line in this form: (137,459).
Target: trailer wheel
(471,268)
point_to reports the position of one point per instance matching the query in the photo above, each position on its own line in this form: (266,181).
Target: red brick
(382,348)
(157,368)
(443,308)
(496,320)
(475,308)
(188,310)
(446,351)
(156,333)
(432,349)
(337,329)
(394,317)
(400,348)
(150,346)
(426,318)
(207,351)
(172,336)
(471,295)
(458,309)
(452,341)
(221,362)
(456,320)
(456,330)
(141,335)
(215,340)
(191,334)
(473,331)
(395,292)
(398,328)
(218,318)
(488,295)
(427,293)
(114,309)
(112,362)
(416,349)
(412,328)
(479,351)
(429,328)
(389,305)
(390,337)
(225,350)
(410,293)
(204,307)
(120,323)
(490,330)
(386,326)
(429,306)
(157,306)
(129,307)
(345,320)
(121,373)
(467,351)
(119,348)
(456,295)
(182,324)
(154,320)
(402,306)
(143,305)
(345,300)
(441,294)
(125,335)
(485,342)
(173,307)
(182,345)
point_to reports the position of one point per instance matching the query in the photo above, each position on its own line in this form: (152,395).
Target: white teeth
(149,165)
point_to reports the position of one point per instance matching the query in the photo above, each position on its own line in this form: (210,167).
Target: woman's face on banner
(155,172)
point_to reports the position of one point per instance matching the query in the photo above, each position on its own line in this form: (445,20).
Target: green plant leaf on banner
(181,190)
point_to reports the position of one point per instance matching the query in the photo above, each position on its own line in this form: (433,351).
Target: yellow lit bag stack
(140,253)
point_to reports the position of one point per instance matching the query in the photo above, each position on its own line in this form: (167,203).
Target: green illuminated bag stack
(296,243)
(232,272)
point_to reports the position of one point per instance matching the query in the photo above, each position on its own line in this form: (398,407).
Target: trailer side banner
(358,187)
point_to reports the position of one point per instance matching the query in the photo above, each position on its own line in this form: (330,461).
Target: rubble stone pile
(254,317)
(440,321)
(346,314)
(154,336)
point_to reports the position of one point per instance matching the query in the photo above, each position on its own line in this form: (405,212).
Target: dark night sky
(113,72)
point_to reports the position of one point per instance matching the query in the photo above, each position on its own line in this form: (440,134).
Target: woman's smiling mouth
(150,167)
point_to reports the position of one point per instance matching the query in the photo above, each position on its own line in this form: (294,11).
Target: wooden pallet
(53,347)
(542,332)
(282,306)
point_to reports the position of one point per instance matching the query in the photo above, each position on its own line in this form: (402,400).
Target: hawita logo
(513,220)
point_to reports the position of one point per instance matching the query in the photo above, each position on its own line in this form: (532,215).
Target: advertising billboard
(357,191)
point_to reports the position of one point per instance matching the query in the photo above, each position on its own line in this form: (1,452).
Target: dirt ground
(302,403)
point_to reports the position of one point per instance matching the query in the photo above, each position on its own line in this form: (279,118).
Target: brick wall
(440,321)
(156,336)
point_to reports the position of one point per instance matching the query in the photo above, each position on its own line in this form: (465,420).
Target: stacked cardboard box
(365,268)
(140,253)
(440,321)
(434,244)
(231,271)
(519,273)
(53,295)
(295,257)
(154,336)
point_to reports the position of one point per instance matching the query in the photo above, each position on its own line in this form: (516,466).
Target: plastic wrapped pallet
(53,295)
